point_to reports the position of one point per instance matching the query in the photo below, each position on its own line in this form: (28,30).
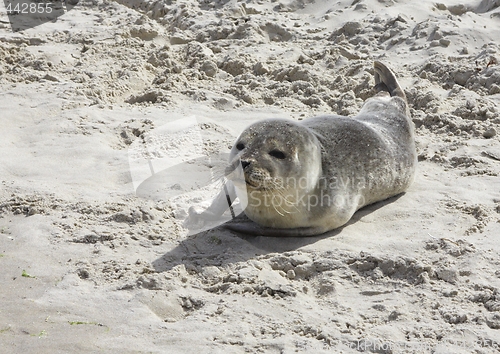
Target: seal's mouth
(253,185)
(256,186)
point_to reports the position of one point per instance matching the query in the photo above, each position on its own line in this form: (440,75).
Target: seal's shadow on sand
(220,246)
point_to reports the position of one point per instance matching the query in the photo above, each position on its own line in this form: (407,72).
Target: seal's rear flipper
(385,81)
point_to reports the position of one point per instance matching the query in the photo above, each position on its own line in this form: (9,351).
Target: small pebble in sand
(490,133)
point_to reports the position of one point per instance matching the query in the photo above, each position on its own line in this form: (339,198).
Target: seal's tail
(385,81)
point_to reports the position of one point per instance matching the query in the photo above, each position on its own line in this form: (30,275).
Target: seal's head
(280,162)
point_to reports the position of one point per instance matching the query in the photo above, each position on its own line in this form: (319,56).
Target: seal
(307,178)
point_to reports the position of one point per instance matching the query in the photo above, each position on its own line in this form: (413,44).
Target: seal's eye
(278,154)
(240,146)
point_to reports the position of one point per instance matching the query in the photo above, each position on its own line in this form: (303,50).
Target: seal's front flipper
(243,225)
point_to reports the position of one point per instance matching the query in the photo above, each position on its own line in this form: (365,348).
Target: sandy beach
(108,115)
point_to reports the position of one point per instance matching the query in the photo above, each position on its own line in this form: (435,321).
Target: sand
(107,118)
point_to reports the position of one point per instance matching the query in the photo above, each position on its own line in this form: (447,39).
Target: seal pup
(307,178)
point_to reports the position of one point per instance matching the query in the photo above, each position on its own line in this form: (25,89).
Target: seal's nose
(245,164)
